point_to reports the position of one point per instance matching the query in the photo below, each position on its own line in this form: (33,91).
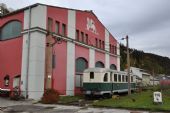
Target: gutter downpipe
(28,52)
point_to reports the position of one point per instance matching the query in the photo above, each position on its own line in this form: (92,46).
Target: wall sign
(91,25)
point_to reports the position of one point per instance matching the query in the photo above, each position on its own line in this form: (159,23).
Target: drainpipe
(28,52)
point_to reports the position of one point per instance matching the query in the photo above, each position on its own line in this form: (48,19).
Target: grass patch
(69,99)
(143,100)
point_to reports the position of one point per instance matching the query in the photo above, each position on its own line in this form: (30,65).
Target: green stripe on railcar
(106,86)
(97,86)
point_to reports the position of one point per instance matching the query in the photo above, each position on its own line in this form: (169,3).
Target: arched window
(105,79)
(113,66)
(99,64)
(11,30)
(81,64)
(6,80)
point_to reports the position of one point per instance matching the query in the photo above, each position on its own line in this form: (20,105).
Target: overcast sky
(147,22)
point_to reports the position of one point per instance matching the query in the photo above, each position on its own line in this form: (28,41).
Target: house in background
(142,76)
(165,81)
(43,46)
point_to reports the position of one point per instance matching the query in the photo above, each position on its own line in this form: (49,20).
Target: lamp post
(128,64)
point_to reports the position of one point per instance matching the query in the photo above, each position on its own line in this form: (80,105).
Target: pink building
(44,46)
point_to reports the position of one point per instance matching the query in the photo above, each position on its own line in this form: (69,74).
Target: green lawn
(143,100)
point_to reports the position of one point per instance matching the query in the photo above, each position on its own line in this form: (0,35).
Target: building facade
(44,46)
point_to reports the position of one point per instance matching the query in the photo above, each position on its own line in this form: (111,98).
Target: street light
(128,64)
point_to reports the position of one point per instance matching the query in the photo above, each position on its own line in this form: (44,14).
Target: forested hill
(148,61)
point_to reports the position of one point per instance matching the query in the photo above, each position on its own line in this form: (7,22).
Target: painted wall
(36,62)
(10,58)
(60,50)
(10,53)
(59,72)
(66,52)
(81,25)
(57,14)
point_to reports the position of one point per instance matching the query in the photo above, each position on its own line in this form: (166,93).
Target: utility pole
(128,65)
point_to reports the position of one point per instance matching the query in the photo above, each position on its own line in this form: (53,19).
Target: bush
(50,96)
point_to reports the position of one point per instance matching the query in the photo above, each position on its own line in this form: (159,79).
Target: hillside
(148,61)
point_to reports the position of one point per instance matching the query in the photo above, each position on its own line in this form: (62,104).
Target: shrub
(50,96)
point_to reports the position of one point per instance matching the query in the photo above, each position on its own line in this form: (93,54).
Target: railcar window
(131,78)
(126,78)
(111,79)
(115,77)
(123,78)
(119,78)
(91,75)
(105,79)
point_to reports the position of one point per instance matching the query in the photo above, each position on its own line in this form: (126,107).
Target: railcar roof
(102,70)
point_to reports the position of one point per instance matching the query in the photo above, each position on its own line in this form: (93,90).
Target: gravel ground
(9,106)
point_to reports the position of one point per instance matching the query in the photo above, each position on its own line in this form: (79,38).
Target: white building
(142,76)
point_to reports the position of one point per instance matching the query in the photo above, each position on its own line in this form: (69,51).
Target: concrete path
(9,106)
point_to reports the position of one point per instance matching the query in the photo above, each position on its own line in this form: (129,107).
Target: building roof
(36,4)
(139,72)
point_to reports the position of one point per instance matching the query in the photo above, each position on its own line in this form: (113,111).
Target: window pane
(50,24)
(123,78)
(81,65)
(131,78)
(87,39)
(79,81)
(6,80)
(77,35)
(82,37)
(111,77)
(126,78)
(11,30)
(110,48)
(91,75)
(115,50)
(112,66)
(103,45)
(119,78)
(57,27)
(63,29)
(99,64)
(115,77)
(105,79)
(100,43)
(96,42)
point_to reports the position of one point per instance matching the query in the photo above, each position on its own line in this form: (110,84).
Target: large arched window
(99,64)
(81,64)
(11,30)
(113,66)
